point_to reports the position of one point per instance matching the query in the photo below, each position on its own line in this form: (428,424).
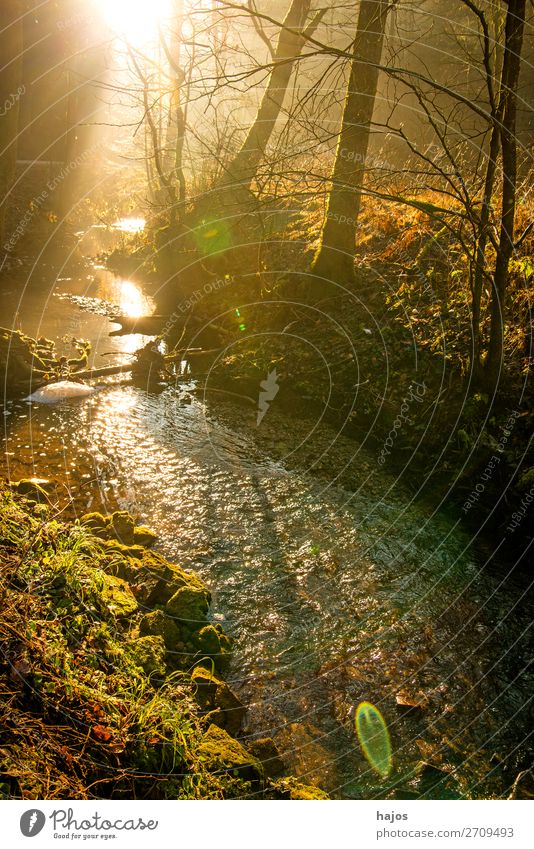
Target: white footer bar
(264,825)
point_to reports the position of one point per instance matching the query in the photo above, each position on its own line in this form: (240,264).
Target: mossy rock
(97,524)
(226,644)
(149,653)
(219,752)
(307,792)
(219,661)
(208,640)
(156,579)
(214,717)
(121,565)
(266,751)
(290,788)
(144,536)
(118,528)
(122,527)
(32,487)
(116,596)
(206,684)
(232,708)
(156,624)
(215,695)
(114,546)
(189,604)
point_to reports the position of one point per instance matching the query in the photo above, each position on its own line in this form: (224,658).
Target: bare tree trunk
(242,169)
(480,254)
(149,166)
(11,90)
(166,186)
(231,192)
(176,124)
(335,257)
(483,229)
(513,42)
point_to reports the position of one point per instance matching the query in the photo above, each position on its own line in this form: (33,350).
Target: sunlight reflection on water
(130,225)
(132,302)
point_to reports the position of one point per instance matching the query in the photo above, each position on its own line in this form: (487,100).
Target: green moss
(526,479)
(307,792)
(144,536)
(159,625)
(115,595)
(122,527)
(188,604)
(135,551)
(149,654)
(96,523)
(290,788)
(218,752)
(208,640)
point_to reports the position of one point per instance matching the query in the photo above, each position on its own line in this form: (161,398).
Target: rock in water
(63,390)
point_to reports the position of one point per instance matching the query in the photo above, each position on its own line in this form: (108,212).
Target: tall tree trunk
(480,254)
(335,257)
(491,63)
(243,167)
(11,90)
(176,124)
(166,190)
(513,42)
(231,194)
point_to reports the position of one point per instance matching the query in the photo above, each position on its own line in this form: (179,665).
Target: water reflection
(132,302)
(103,237)
(130,225)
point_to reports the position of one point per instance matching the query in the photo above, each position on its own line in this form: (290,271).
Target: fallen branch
(146,325)
(91,373)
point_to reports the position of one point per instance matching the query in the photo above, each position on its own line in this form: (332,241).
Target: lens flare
(373,736)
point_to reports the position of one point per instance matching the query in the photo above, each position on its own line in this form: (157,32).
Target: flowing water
(337,587)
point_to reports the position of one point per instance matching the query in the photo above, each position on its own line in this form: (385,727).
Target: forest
(266,271)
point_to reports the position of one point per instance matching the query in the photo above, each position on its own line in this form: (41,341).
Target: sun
(135,21)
